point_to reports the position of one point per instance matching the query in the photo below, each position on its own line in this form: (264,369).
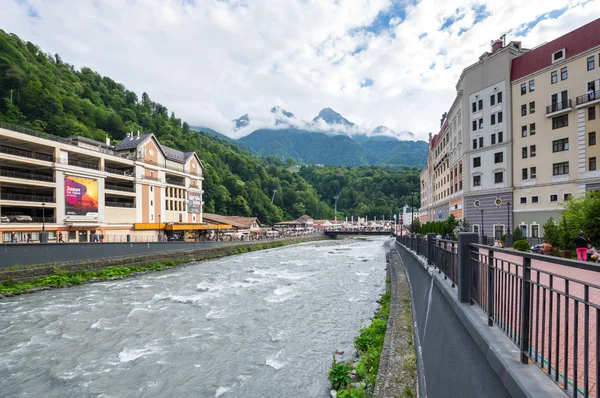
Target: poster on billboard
(194,202)
(81,196)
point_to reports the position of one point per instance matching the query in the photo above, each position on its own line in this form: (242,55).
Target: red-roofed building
(555,90)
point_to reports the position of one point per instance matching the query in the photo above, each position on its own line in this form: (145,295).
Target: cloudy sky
(377,62)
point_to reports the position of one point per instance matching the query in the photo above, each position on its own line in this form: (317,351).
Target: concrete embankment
(28,273)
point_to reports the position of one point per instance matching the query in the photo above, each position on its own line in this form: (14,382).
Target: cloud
(211,61)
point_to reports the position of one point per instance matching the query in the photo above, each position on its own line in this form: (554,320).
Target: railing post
(525,306)
(418,236)
(465,240)
(430,243)
(490,288)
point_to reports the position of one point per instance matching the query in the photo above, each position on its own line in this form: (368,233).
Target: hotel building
(555,91)
(135,190)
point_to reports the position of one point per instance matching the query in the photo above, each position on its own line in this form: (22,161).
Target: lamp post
(43,234)
(508,217)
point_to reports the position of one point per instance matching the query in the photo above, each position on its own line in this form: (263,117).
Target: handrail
(558,106)
(25,176)
(590,96)
(26,198)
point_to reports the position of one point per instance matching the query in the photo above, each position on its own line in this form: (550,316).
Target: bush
(339,374)
(517,234)
(521,245)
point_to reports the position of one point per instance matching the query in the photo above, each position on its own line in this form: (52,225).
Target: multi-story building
(555,91)
(76,186)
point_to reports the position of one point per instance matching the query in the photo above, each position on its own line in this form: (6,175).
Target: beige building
(555,96)
(75,186)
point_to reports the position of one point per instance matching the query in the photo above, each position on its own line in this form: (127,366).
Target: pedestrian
(60,238)
(582,246)
(29,240)
(15,238)
(101,237)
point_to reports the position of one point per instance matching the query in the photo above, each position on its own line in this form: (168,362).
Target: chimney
(138,133)
(107,140)
(497,45)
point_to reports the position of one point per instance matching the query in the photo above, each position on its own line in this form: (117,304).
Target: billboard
(81,196)
(194,202)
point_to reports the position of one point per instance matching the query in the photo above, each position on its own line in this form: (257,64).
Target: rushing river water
(260,324)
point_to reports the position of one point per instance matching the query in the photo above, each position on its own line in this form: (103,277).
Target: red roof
(435,139)
(575,42)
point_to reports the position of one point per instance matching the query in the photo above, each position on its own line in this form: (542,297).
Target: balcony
(152,178)
(26,154)
(25,176)
(112,170)
(81,163)
(593,96)
(26,198)
(175,182)
(558,108)
(118,188)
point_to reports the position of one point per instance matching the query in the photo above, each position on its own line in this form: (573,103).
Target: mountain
(212,132)
(277,110)
(307,147)
(330,116)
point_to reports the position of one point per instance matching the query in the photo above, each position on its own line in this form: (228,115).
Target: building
(555,91)
(246,227)
(304,224)
(137,190)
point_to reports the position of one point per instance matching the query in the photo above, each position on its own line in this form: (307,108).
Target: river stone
(339,352)
(333,393)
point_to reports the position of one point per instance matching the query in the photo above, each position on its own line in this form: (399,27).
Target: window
(557,56)
(535,231)
(477,162)
(500,117)
(493,139)
(523,88)
(498,177)
(524,174)
(534,199)
(480,103)
(532,172)
(524,152)
(592,138)
(523,200)
(151,203)
(523,131)
(493,119)
(477,181)
(560,168)
(500,137)
(532,129)
(591,113)
(523,109)
(591,62)
(532,151)
(480,142)
(532,107)
(474,107)
(498,157)
(560,122)
(500,97)
(475,143)
(474,125)
(554,198)
(492,100)
(531,85)
(592,163)
(563,73)
(560,145)
(151,188)
(553,77)
(567,196)
(480,124)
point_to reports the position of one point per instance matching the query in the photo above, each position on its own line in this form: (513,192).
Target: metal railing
(534,241)
(80,163)
(175,182)
(112,170)
(43,219)
(548,307)
(558,106)
(153,178)
(590,96)
(26,198)
(25,176)
(119,204)
(34,133)
(118,188)
(26,154)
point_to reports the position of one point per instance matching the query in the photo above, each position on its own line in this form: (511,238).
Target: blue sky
(377,62)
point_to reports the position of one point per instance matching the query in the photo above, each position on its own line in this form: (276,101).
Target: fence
(549,307)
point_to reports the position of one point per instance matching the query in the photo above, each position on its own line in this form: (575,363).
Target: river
(260,324)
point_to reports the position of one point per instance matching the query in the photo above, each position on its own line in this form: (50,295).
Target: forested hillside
(43,92)
(367,190)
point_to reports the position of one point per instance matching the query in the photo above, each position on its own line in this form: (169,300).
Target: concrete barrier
(459,354)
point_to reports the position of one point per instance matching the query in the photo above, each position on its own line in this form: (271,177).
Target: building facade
(76,186)
(555,104)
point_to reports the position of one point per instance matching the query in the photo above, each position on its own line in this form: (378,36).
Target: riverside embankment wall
(458,355)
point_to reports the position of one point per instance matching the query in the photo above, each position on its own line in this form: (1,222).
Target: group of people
(14,238)
(585,250)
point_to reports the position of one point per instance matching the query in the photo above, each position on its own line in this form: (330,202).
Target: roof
(575,42)
(304,218)
(132,142)
(173,154)
(236,222)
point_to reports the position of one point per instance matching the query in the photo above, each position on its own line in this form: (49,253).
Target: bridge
(335,234)
(497,322)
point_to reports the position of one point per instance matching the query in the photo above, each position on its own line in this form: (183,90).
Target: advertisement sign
(81,196)
(194,202)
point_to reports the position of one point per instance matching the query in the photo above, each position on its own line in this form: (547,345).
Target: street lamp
(43,217)
(508,217)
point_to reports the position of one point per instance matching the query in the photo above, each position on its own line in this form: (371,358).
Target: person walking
(581,242)
(60,238)
(15,238)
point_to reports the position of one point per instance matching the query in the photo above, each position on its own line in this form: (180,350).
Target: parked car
(19,217)
(4,219)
